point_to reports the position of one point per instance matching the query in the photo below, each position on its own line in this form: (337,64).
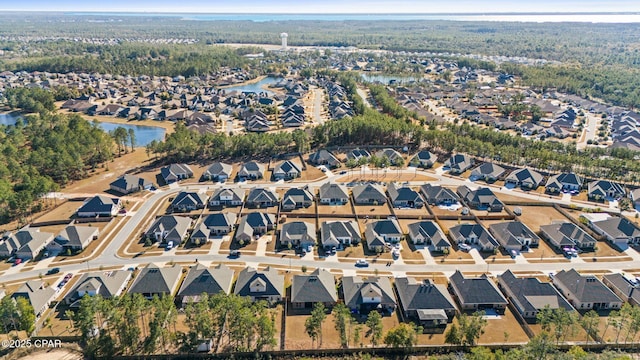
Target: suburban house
(514,235)
(476,293)
(317,287)
(600,190)
(380,232)
(487,171)
(127,184)
(525,178)
(156,281)
(635,198)
(585,292)
(73,238)
(25,244)
(200,234)
(439,195)
(481,199)
(201,279)
(253,224)
(175,172)
(265,285)
(37,294)
(339,234)
(617,230)
(296,198)
(423,302)
(567,234)
(333,194)
(286,170)
(100,205)
(220,223)
(169,228)
(390,154)
(324,157)
(404,197)
(298,233)
(187,201)
(529,295)
(250,170)
(107,284)
(474,234)
(227,197)
(217,172)
(563,182)
(261,197)
(458,163)
(363,295)
(428,233)
(357,154)
(424,159)
(626,289)
(368,194)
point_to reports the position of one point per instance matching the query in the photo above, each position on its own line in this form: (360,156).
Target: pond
(144,134)
(386,79)
(256,87)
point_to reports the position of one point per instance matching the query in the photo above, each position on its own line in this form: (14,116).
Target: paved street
(108,256)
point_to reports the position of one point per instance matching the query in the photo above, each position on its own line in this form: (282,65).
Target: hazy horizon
(327,7)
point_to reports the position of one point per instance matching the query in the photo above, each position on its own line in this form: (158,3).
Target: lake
(254,87)
(144,134)
(386,78)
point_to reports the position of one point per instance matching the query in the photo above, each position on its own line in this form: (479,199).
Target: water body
(506,17)
(254,87)
(144,134)
(386,79)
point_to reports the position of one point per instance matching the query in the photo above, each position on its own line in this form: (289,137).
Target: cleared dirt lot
(534,216)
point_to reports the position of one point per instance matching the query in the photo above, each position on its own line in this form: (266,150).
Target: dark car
(234,254)
(53,271)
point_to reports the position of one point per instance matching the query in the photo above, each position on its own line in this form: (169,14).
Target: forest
(44,152)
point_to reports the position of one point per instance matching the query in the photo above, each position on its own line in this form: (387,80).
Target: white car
(465,247)
(362,262)
(169,245)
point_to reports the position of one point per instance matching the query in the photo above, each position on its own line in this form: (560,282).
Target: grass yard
(63,211)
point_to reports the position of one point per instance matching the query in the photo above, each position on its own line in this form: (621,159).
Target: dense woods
(131,324)
(44,152)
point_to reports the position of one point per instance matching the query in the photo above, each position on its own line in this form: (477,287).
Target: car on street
(17,261)
(362,263)
(169,245)
(53,271)
(233,254)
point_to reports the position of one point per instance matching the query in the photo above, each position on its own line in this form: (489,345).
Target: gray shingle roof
(436,193)
(428,230)
(510,233)
(201,279)
(333,191)
(367,193)
(274,282)
(530,294)
(106,284)
(476,290)
(356,287)
(319,286)
(586,288)
(76,236)
(99,204)
(414,295)
(566,234)
(618,227)
(332,230)
(156,280)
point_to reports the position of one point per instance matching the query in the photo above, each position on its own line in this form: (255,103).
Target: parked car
(53,271)
(362,263)
(169,245)
(234,254)
(464,247)
(18,261)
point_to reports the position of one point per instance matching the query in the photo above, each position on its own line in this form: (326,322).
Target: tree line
(131,324)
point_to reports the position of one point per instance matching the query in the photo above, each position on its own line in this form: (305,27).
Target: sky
(323,6)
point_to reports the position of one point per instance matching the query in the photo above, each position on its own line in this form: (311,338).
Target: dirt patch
(328,210)
(535,216)
(390,175)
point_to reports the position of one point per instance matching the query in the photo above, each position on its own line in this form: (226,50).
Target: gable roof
(530,294)
(156,280)
(235,193)
(105,283)
(364,193)
(476,290)
(220,220)
(297,195)
(429,230)
(355,288)
(435,193)
(189,198)
(488,169)
(217,169)
(566,234)
(507,233)
(286,167)
(76,236)
(202,279)
(319,286)
(414,295)
(333,191)
(603,187)
(586,288)
(257,195)
(525,174)
(402,193)
(171,223)
(618,227)
(274,282)
(36,293)
(130,183)
(99,204)
(565,178)
(323,156)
